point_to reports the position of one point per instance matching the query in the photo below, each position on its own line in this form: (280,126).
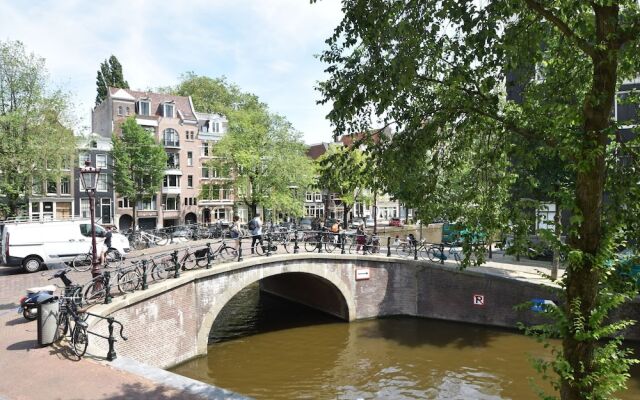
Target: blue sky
(266,47)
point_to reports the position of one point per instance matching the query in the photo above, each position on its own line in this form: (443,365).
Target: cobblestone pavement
(32,372)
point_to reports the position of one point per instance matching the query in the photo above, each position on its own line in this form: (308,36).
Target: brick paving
(28,371)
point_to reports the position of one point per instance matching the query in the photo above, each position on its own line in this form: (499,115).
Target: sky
(267,47)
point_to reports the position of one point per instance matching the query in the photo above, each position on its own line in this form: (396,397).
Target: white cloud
(266,47)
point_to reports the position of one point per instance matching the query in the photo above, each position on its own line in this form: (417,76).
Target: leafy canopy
(109,75)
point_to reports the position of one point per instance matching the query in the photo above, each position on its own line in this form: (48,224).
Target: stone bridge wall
(169,323)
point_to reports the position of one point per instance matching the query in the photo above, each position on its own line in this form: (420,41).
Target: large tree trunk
(582,281)
(558,233)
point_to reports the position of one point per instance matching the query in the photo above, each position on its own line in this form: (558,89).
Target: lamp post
(89,176)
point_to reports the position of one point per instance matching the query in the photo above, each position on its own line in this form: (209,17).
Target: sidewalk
(28,371)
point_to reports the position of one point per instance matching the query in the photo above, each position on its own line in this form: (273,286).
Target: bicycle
(436,252)
(316,240)
(370,245)
(141,239)
(83,262)
(223,251)
(79,336)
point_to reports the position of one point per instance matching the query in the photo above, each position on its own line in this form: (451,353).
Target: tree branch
(632,32)
(562,26)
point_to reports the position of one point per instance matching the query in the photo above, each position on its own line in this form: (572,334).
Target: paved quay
(28,371)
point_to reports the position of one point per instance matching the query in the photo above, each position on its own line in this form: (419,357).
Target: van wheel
(32,264)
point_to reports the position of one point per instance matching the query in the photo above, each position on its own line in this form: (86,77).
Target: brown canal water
(268,348)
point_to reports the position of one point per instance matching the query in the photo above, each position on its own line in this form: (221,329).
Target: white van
(35,244)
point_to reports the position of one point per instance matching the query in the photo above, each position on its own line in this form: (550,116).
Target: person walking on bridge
(255,226)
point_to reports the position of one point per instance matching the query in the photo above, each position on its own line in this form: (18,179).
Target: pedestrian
(255,226)
(361,239)
(106,245)
(236,231)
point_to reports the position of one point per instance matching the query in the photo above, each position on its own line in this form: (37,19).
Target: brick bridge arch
(330,281)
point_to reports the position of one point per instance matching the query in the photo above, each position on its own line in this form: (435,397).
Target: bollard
(144,275)
(319,243)
(107,287)
(111,355)
(268,244)
(171,237)
(176,264)
(441,253)
(295,243)
(388,246)
(342,243)
(415,252)
(239,248)
(209,256)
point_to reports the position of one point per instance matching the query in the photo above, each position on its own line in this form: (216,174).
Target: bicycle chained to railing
(83,262)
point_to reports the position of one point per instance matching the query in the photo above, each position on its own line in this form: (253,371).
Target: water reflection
(267,348)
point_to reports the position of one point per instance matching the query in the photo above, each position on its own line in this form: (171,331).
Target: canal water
(268,348)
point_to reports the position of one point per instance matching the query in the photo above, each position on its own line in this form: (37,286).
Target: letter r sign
(478,300)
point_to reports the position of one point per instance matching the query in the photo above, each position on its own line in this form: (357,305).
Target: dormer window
(168,110)
(143,107)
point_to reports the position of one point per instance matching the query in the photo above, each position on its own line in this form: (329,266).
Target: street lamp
(89,176)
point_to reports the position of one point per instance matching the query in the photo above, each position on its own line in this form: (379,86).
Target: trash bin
(48,308)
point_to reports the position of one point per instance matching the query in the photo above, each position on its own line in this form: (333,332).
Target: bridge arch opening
(325,294)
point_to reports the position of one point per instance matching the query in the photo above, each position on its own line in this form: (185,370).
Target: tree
(262,150)
(35,145)
(109,75)
(139,163)
(436,70)
(343,171)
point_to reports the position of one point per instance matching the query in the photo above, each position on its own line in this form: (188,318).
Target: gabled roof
(315,151)
(182,103)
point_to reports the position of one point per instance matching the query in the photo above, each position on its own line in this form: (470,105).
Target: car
(356,222)
(395,222)
(305,224)
(369,222)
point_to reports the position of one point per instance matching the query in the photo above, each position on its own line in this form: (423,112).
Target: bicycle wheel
(228,252)
(82,262)
(113,256)
(94,293)
(79,339)
(62,326)
(311,245)
(260,248)
(128,281)
(403,250)
(203,258)
(161,270)
(435,254)
(161,239)
(139,243)
(189,261)
(331,243)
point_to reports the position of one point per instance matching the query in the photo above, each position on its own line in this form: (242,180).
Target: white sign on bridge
(362,274)
(478,300)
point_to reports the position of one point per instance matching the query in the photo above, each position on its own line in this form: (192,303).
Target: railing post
(295,243)
(209,255)
(319,242)
(171,237)
(144,275)
(388,246)
(268,244)
(107,287)
(111,355)
(342,236)
(176,264)
(415,251)
(239,248)
(441,253)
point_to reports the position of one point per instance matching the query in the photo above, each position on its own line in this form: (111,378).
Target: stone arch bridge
(170,321)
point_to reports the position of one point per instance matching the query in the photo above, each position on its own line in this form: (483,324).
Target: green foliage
(435,71)
(139,162)
(262,150)
(109,75)
(35,146)
(344,172)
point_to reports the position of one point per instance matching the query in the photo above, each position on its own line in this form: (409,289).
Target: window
(219,213)
(37,187)
(101,160)
(205,149)
(173,160)
(190,159)
(124,203)
(105,210)
(190,181)
(147,204)
(52,187)
(171,138)
(128,111)
(193,135)
(205,172)
(171,181)
(186,201)
(84,208)
(82,158)
(85,230)
(308,196)
(144,107)
(120,110)
(65,185)
(172,204)
(101,186)
(168,110)
(318,197)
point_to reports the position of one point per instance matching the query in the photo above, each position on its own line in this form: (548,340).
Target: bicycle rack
(111,355)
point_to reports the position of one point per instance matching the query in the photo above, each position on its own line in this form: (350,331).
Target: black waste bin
(48,308)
